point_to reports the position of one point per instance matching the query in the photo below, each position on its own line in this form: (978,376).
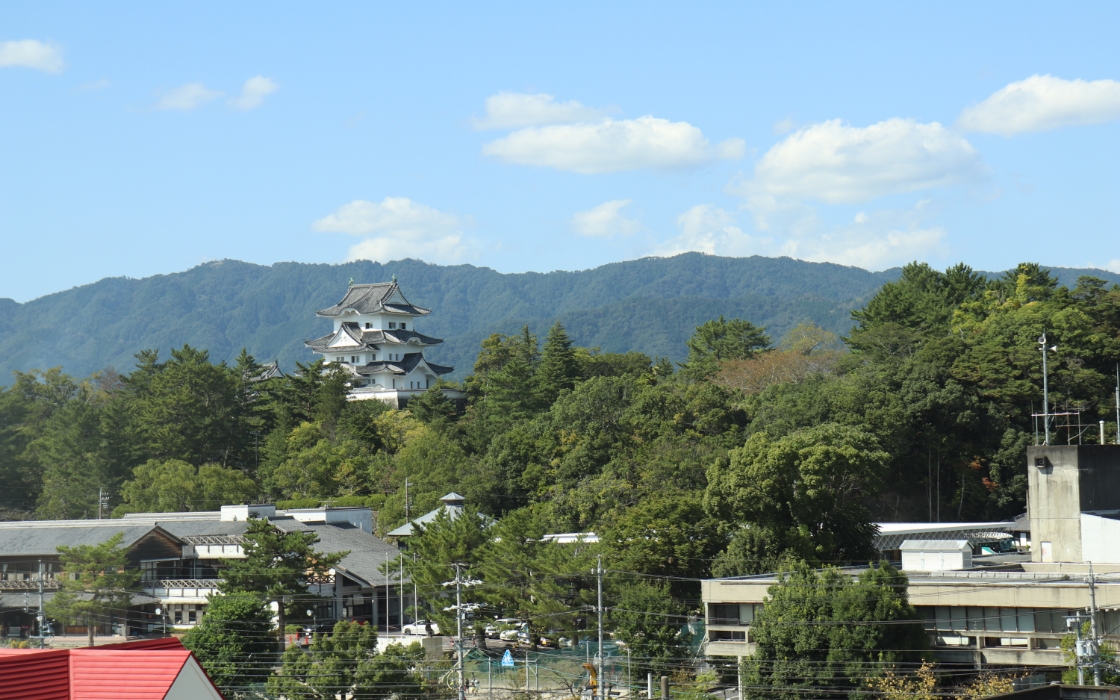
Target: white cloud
(514,110)
(708,229)
(29,53)
(399,228)
(612,145)
(188,96)
(605,220)
(873,241)
(253,93)
(836,163)
(1044,102)
(1113,266)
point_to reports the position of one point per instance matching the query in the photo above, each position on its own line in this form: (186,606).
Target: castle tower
(375,339)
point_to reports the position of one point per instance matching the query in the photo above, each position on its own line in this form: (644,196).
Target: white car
(495,628)
(420,627)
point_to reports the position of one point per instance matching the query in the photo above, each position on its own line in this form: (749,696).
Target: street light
(162,621)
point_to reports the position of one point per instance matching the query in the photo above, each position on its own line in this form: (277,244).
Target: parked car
(495,628)
(420,627)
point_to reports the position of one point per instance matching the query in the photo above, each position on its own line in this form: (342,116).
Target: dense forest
(923,412)
(649,305)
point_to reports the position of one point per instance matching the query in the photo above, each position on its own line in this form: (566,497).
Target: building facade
(375,340)
(180,558)
(992,609)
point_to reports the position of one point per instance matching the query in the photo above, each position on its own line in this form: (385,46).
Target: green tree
(720,339)
(650,622)
(436,546)
(191,409)
(558,369)
(809,489)
(94,582)
(666,535)
(534,579)
(231,641)
(277,565)
(174,486)
(433,406)
(819,632)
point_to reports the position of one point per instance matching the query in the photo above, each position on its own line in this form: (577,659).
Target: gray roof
(13,599)
(367,553)
(452,503)
(935,546)
(367,339)
(42,538)
(372,299)
(407,363)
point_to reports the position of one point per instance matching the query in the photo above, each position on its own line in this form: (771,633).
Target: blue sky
(138,139)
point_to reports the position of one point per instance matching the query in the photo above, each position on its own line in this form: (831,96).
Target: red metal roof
(35,674)
(142,674)
(141,670)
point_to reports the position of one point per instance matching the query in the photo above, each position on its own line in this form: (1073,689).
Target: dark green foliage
(720,340)
(821,633)
(276,564)
(232,640)
(558,368)
(94,583)
(345,663)
(806,492)
(650,621)
(437,546)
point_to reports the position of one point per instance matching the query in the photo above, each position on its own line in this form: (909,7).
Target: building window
(369,325)
(353,359)
(402,325)
(149,570)
(192,615)
(724,636)
(392,325)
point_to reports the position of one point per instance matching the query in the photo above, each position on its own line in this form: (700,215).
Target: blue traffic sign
(507,658)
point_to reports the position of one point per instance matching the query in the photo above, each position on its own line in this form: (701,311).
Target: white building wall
(1100,539)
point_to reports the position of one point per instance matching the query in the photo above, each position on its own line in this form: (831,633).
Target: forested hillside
(924,413)
(648,305)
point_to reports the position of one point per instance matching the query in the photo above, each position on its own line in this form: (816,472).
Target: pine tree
(276,564)
(95,581)
(558,369)
(235,628)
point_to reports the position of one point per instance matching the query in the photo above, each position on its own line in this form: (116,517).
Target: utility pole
(1096,644)
(458,627)
(1045,391)
(599,576)
(459,582)
(406,512)
(41,617)
(1118,404)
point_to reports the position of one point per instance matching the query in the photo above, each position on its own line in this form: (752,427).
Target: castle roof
(349,338)
(407,363)
(383,297)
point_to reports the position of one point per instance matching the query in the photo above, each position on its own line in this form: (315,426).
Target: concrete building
(992,610)
(1074,504)
(179,556)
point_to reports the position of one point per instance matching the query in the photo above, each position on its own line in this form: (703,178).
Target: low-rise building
(988,610)
(180,558)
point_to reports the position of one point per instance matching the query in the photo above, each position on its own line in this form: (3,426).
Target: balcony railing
(182,587)
(27,584)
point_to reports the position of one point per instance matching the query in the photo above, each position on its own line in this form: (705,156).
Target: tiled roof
(406,364)
(374,298)
(367,340)
(39,538)
(367,553)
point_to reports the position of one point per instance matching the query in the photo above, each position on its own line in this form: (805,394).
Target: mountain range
(651,305)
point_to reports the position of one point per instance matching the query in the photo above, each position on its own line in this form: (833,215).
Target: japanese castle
(376,340)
